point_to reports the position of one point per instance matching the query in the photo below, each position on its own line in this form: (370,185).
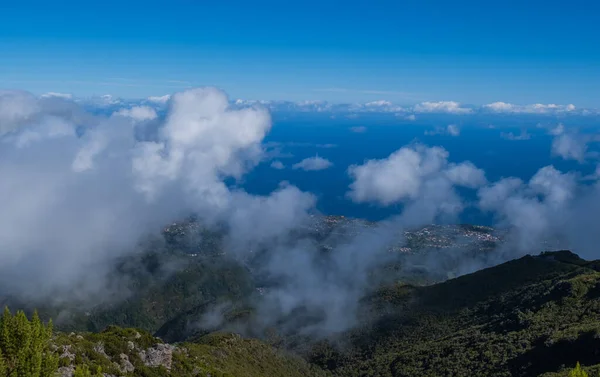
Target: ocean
(482,140)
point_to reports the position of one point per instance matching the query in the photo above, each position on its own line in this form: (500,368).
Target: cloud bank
(81,188)
(353,110)
(74,199)
(538,108)
(449,107)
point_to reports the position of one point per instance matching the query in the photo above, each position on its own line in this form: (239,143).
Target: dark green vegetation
(528,317)
(198,282)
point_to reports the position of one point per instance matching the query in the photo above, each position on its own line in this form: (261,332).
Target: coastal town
(330,230)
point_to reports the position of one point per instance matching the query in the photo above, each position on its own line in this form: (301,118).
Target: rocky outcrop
(66,371)
(125,366)
(67,353)
(131,346)
(99,347)
(159,355)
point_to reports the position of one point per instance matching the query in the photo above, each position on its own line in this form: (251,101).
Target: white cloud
(500,107)
(138,113)
(466,175)
(311,103)
(383,106)
(411,117)
(348,109)
(492,196)
(380,103)
(538,108)
(256,221)
(557,188)
(570,147)
(453,130)
(19,110)
(47,128)
(412,173)
(313,164)
(107,99)
(160,99)
(58,227)
(558,130)
(16,108)
(201,142)
(397,177)
(542,108)
(536,211)
(449,107)
(84,159)
(277,165)
(58,95)
(358,129)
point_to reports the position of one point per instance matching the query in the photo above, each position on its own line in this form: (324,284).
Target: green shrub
(25,346)
(578,372)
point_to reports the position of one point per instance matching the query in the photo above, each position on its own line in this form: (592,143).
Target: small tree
(578,372)
(25,346)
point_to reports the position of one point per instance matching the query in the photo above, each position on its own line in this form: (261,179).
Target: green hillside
(527,317)
(130,352)
(30,349)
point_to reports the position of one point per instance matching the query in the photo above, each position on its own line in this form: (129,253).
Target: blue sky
(404,51)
